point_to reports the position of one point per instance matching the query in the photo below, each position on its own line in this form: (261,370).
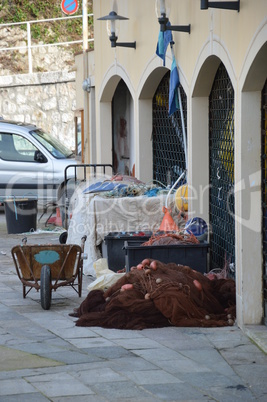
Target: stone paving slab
(12,359)
(24,398)
(60,384)
(177,392)
(18,387)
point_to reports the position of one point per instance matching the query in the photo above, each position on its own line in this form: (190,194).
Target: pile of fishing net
(155,294)
(171,238)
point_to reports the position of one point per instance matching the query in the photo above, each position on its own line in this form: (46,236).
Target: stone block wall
(46,99)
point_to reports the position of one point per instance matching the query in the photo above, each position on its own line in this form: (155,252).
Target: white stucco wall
(239,41)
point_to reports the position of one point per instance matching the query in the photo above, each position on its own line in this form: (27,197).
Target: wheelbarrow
(48,267)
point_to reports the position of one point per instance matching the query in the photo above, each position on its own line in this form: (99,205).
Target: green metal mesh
(168,145)
(221,143)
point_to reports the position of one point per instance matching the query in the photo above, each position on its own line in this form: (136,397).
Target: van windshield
(54,146)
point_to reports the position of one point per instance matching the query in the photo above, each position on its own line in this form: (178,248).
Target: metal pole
(29,47)
(183,127)
(85,26)
(85,76)
(182,120)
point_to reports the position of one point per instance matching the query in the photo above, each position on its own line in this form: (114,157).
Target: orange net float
(127,286)
(167,224)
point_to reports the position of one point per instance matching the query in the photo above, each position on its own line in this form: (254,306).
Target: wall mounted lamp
(111,19)
(86,85)
(225,5)
(162,12)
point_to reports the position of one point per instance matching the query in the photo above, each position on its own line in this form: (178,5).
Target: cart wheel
(63,237)
(45,287)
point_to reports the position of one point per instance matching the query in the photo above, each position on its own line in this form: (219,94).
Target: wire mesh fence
(221,144)
(168,144)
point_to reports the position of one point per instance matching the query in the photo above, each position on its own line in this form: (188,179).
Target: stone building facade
(222,60)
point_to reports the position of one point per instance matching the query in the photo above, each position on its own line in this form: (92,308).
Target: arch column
(248,209)
(143,141)
(198,135)
(198,158)
(248,191)
(104,140)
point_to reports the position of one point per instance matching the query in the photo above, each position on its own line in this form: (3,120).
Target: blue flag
(163,42)
(173,90)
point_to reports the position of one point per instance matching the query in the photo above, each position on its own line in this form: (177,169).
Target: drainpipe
(85,76)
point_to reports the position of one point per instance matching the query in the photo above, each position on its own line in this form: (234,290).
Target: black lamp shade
(203,4)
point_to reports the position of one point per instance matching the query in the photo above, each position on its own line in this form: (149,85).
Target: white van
(32,163)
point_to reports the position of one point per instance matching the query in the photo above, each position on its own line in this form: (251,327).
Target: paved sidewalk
(44,357)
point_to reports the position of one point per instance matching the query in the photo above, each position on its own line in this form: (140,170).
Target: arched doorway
(221,171)
(122,140)
(168,144)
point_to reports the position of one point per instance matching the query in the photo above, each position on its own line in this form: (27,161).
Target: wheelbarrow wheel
(63,237)
(45,287)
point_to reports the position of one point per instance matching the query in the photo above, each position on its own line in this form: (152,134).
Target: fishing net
(169,238)
(156,295)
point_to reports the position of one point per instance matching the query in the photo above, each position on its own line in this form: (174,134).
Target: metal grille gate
(264,192)
(168,145)
(221,143)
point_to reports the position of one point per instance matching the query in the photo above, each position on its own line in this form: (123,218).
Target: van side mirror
(39,157)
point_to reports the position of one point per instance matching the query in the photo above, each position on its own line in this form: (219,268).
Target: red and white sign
(69,6)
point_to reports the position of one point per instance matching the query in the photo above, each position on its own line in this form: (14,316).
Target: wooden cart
(48,267)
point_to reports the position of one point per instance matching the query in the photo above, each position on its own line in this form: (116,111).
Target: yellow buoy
(181,198)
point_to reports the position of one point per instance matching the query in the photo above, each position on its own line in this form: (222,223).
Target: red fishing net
(155,295)
(165,239)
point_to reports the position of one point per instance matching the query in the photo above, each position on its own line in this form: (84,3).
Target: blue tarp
(101,186)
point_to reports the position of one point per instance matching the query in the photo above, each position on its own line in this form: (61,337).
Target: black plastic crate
(192,255)
(113,247)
